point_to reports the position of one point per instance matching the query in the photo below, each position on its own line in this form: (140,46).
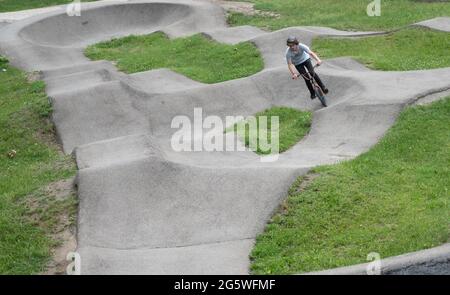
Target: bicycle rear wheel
(320,95)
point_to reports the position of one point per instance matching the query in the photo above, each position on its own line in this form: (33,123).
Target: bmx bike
(317,89)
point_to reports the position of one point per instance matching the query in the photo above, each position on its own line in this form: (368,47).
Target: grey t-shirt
(298,57)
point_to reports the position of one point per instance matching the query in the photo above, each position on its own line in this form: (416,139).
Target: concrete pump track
(145,209)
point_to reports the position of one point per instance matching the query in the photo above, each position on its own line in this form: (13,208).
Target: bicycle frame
(311,78)
(317,89)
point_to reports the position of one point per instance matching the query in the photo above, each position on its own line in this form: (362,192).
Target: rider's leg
(301,69)
(310,68)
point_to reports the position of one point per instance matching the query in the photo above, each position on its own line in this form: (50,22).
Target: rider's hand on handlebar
(319,62)
(294,76)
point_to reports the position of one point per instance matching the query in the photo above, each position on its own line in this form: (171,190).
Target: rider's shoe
(313,95)
(325,90)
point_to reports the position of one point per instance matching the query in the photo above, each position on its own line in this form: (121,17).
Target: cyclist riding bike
(298,58)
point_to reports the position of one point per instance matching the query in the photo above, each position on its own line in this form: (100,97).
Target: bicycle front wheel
(321,96)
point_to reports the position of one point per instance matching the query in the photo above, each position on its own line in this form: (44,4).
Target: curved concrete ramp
(174,205)
(235,35)
(146,209)
(104,23)
(438,23)
(144,112)
(54,40)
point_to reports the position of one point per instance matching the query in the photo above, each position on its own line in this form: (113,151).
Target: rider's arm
(292,69)
(291,66)
(314,55)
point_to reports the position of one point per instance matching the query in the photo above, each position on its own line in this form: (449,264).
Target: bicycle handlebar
(315,66)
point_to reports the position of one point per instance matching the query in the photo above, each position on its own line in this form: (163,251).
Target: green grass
(342,14)
(15,5)
(293,126)
(391,200)
(196,57)
(24,127)
(409,49)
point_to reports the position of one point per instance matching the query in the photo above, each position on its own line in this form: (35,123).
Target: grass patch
(15,5)
(342,14)
(405,50)
(391,200)
(293,126)
(30,160)
(196,57)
